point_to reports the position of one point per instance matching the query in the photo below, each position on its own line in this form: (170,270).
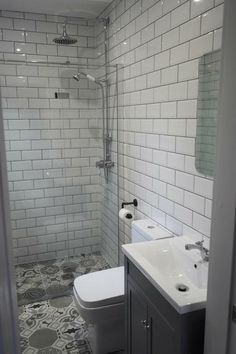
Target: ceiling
(77,8)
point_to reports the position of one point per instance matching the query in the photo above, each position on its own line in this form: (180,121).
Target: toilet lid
(100,288)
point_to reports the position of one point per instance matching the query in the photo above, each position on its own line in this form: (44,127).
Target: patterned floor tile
(53,327)
(45,280)
(49,321)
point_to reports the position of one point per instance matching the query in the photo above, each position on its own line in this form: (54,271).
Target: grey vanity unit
(153,326)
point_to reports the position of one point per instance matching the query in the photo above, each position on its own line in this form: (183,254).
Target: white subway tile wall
(52,144)
(159,43)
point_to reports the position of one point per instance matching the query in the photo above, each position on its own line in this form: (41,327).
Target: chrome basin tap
(199,246)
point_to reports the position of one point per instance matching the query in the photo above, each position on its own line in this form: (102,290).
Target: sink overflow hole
(182,288)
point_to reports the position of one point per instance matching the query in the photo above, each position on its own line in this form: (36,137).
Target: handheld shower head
(87,76)
(91,78)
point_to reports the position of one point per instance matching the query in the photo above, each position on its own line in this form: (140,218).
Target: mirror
(207,112)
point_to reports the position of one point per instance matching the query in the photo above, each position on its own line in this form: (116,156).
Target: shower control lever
(108,138)
(105,164)
(109,164)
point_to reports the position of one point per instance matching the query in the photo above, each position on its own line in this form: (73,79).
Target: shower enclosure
(59,107)
(106,163)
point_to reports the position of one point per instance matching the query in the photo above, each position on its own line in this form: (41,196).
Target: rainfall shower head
(65,39)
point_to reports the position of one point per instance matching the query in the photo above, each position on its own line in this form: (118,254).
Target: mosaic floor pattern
(53,327)
(49,321)
(49,279)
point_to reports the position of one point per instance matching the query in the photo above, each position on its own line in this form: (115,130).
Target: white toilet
(100,296)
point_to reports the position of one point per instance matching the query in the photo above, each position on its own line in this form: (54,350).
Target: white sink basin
(169,267)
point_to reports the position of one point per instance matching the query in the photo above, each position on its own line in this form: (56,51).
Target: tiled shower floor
(49,279)
(49,321)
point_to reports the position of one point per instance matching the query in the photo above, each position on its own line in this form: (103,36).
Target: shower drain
(182,288)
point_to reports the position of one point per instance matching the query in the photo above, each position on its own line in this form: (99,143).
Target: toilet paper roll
(126,214)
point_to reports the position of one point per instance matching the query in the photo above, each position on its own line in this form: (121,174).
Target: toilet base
(106,338)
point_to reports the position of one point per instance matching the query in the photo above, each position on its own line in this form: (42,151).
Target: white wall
(160,44)
(52,145)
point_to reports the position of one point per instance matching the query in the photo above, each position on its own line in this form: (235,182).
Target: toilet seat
(102,288)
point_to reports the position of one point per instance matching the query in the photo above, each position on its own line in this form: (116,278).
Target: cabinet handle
(145,324)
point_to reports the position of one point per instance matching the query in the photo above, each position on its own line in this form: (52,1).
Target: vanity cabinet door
(153,326)
(161,334)
(137,322)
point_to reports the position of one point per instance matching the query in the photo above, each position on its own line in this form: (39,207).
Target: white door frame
(9,341)
(219,304)
(232,329)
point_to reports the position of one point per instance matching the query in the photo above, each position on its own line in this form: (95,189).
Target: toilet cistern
(199,246)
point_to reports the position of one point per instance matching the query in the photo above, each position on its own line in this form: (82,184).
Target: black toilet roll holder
(134,203)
